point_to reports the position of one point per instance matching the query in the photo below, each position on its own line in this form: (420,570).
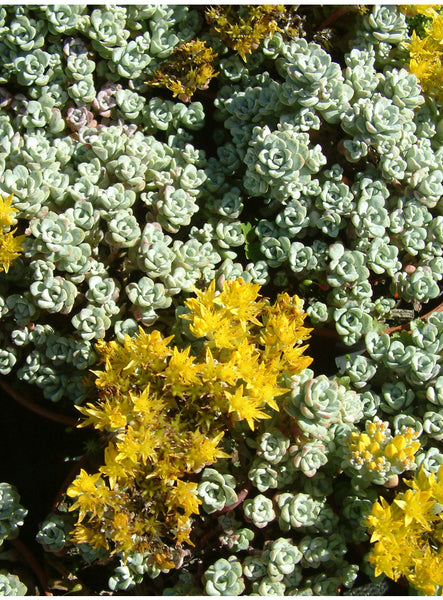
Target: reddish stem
(205,539)
(240,497)
(390,330)
(30,560)
(325,332)
(332,333)
(335,15)
(438,308)
(40,410)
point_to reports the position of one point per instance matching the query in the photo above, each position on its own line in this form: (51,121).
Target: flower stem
(30,560)
(390,330)
(333,17)
(240,497)
(324,332)
(40,410)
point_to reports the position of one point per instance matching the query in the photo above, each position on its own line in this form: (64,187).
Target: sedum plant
(244,29)
(216,490)
(223,578)
(406,534)
(83,200)
(10,244)
(425,61)
(155,395)
(180,77)
(12,513)
(377,456)
(158,164)
(10,584)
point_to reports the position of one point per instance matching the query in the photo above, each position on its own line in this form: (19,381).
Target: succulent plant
(224,578)
(301,168)
(12,513)
(282,557)
(259,510)
(297,510)
(53,533)
(216,490)
(10,584)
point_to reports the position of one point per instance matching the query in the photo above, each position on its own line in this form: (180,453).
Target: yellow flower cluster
(426,52)
(408,534)
(190,67)
(375,451)
(10,246)
(243,28)
(411,10)
(187,70)
(164,410)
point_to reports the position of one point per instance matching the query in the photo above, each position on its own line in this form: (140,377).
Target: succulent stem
(40,410)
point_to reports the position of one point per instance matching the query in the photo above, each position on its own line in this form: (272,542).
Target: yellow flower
(240,299)
(147,407)
(181,371)
(421,481)
(437,486)
(10,248)
(183,494)
(91,494)
(108,378)
(381,521)
(418,47)
(204,297)
(213,326)
(267,392)
(426,55)
(210,370)
(150,350)
(112,469)
(224,318)
(230,334)
(278,331)
(427,572)
(148,445)
(416,507)
(84,484)
(167,411)
(259,377)
(394,557)
(435,30)
(402,448)
(422,68)
(381,559)
(163,560)
(203,451)
(296,363)
(245,407)
(128,447)
(244,359)
(182,531)
(88,535)
(107,415)
(410,10)
(408,532)
(187,70)
(167,468)
(121,533)
(7,211)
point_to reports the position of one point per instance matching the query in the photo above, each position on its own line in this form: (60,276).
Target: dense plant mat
(221,324)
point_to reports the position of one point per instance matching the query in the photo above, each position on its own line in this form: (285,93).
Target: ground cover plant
(221,255)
